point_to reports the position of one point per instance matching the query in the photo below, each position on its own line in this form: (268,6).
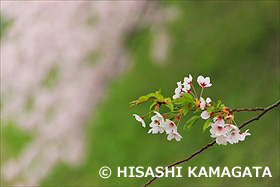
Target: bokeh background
(69,70)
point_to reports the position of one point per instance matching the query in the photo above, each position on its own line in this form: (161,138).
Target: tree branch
(241,109)
(247,109)
(265,110)
(260,115)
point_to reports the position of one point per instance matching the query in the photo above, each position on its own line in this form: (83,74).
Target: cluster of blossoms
(160,125)
(203,82)
(185,99)
(226,132)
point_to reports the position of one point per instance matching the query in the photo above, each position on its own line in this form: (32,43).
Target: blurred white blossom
(57,58)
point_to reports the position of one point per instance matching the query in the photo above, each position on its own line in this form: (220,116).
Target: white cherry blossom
(230,127)
(229,133)
(187,87)
(219,120)
(244,134)
(205,115)
(178,90)
(218,129)
(175,135)
(208,100)
(156,128)
(221,140)
(188,80)
(157,119)
(140,119)
(170,126)
(202,103)
(203,82)
(233,136)
(157,124)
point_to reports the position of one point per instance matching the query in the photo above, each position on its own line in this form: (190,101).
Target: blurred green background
(236,44)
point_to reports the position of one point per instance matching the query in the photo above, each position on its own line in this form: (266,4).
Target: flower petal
(207,80)
(170,136)
(221,140)
(200,79)
(208,100)
(208,85)
(205,115)
(202,103)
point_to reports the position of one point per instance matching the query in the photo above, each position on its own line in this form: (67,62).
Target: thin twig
(247,109)
(265,110)
(260,115)
(241,109)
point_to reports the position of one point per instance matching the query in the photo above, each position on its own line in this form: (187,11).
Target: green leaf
(188,97)
(185,110)
(212,103)
(153,105)
(159,96)
(180,100)
(133,103)
(191,122)
(210,110)
(142,99)
(190,105)
(197,110)
(207,123)
(158,92)
(170,106)
(187,107)
(169,116)
(218,104)
(152,96)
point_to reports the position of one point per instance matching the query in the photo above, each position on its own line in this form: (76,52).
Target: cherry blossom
(204,82)
(202,103)
(140,119)
(208,100)
(221,140)
(233,136)
(175,135)
(157,119)
(205,115)
(244,134)
(188,80)
(218,120)
(170,126)
(218,129)
(187,87)
(156,128)
(230,127)
(157,123)
(229,133)
(178,90)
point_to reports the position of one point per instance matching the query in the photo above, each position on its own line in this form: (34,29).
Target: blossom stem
(194,90)
(235,122)
(201,92)
(148,113)
(171,112)
(193,95)
(179,120)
